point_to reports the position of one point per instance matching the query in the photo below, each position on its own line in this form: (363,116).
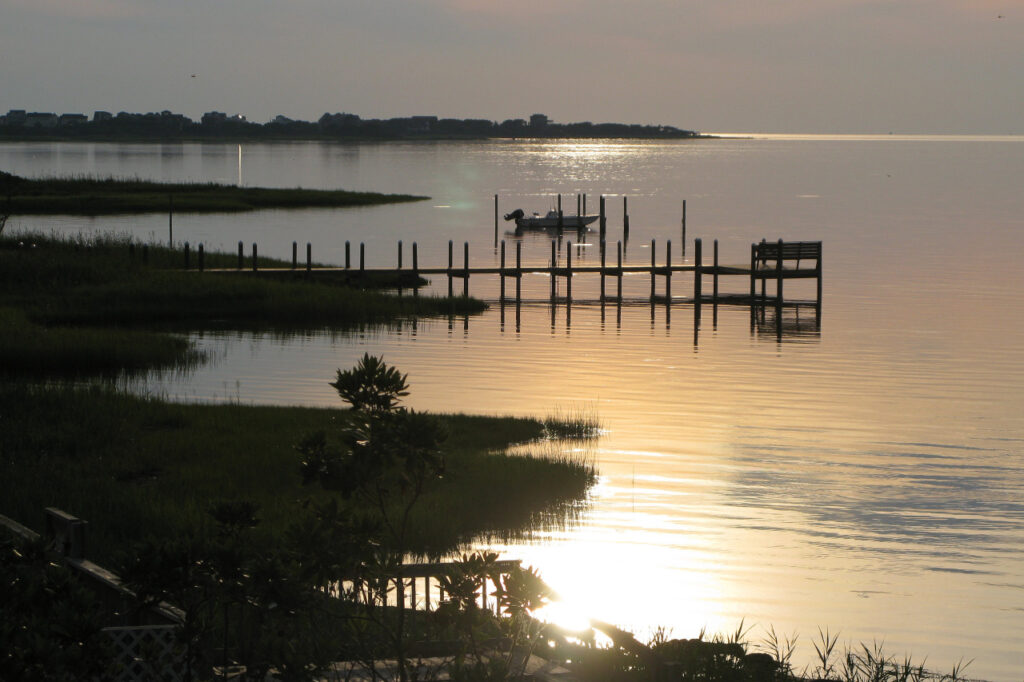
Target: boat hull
(569,222)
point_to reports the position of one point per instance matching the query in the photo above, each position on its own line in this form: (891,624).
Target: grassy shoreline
(111,196)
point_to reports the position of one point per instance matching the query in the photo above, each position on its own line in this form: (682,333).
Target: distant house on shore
(98,116)
(37,119)
(73,119)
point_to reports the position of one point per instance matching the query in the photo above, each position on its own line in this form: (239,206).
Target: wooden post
(415,271)
(764,277)
(309,257)
(714,290)
(653,255)
(501,274)
(603,261)
(241,257)
(495,219)
(753,270)
(625,215)
(553,261)
(295,255)
(202,255)
(465,260)
(186,256)
(778,280)
(698,274)
(348,254)
(560,221)
(819,282)
(449,268)
(399,254)
(602,223)
(619,291)
(519,271)
(362,257)
(568,271)
(254,256)
(579,214)
(668,272)
(584,203)
(684,228)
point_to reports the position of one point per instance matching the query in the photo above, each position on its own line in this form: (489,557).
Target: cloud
(81,9)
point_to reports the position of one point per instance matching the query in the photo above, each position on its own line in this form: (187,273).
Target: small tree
(371,386)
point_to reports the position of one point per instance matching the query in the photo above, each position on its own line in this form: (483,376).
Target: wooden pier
(769,262)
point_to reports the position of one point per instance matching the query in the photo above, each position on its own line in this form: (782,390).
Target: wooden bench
(782,260)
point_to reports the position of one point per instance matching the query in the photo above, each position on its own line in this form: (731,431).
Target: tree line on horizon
(165,125)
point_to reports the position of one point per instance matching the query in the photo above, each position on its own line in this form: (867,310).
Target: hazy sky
(928,66)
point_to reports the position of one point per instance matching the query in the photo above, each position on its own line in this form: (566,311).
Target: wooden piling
(778,280)
(241,257)
(602,224)
(519,274)
(603,261)
(619,290)
(186,256)
(309,258)
(399,254)
(668,272)
(449,268)
(653,265)
(348,255)
(465,260)
(560,221)
(714,286)
(254,257)
(625,216)
(202,258)
(554,261)
(501,276)
(362,257)
(698,274)
(684,228)
(295,255)
(568,271)
(495,219)
(415,271)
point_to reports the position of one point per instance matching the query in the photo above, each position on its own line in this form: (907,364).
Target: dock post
(186,256)
(778,282)
(519,271)
(254,256)
(584,203)
(309,257)
(560,221)
(698,274)
(495,219)
(553,261)
(568,272)
(603,261)
(362,257)
(668,272)
(241,257)
(501,275)
(579,214)
(653,268)
(348,254)
(684,228)
(625,215)
(295,255)
(602,222)
(399,254)
(202,255)
(618,292)
(465,260)
(714,289)
(449,268)
(819,281)
(415,271)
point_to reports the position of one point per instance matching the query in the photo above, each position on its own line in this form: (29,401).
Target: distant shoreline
(112,196)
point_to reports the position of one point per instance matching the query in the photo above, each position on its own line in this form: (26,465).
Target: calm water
(864,476)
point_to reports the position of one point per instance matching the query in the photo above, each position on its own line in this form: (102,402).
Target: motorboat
(549,221)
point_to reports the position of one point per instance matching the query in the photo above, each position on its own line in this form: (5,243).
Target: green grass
(103,196)
(135,467)
(55,288)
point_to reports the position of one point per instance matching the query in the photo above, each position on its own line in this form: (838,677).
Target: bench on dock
(784,260)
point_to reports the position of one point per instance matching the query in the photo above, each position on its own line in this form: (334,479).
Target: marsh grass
(578,421)
(70,303)
(136,467)
(88,195)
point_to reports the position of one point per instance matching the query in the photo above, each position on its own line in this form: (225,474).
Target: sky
(786,66)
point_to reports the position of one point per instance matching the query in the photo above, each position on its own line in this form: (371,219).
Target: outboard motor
(515,215)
